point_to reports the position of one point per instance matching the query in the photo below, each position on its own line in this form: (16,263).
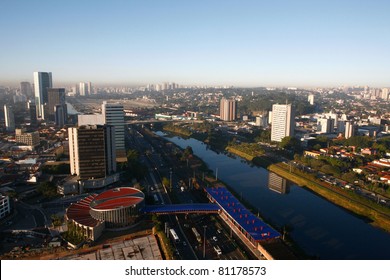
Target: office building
(32,110)
(27,138)
(92,151)
(85,88)
(25,89)
(350,129)
(89,88)
(114,115)
(60,114)
(90,119)
(282,122)
(42,82)
(228,109)
(9,118)
(56,96)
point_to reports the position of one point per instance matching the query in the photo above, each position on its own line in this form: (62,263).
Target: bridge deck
(182,208)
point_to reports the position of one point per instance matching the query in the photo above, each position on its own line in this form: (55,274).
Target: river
(322,229)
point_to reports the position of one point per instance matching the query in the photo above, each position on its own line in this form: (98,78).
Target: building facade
(114,115)
(282,122)
(9,118)
(25,89)
(228,109)
(27,138)
(5,207)
(350,129)
(92,151)
(56,96)
(42,82)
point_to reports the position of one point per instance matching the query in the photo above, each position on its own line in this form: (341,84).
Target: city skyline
(255,43)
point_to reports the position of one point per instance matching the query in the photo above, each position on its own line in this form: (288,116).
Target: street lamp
(204,243)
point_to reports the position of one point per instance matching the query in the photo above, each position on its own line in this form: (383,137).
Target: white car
(215,238)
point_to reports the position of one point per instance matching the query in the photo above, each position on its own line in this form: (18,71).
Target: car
(219,231)
(215,238)
(184,243)
(217,250)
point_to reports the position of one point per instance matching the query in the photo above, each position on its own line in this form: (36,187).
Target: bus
(174,236)
(197,235)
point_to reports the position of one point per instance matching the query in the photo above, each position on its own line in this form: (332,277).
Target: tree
(47,189)
(290,143)
(349,177)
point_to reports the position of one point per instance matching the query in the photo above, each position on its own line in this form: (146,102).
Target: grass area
(349,201)
(240,153)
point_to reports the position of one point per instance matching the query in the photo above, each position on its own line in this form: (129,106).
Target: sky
(241,43)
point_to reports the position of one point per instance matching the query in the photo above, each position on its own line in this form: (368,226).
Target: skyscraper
(42,81)
(9,118)
(84,88)
(32,110)
(60,114)
(228,109)
(92,151)
(113,114)
(25,89)
(282,122)
(310,99)
(349,129)
(56,96)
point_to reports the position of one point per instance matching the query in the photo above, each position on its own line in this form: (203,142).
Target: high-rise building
(325,125)
(114,115)
(385,94)
(228,109)
(83,89)
(60,114)
(42,81)
(350,129)
(310,99)
(5,206)
(9,118)
(89,88)
(92,151)
(25,89)
(282,122)
(32,109)
(56,96)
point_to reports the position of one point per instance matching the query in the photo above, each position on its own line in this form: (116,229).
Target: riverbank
(351,204)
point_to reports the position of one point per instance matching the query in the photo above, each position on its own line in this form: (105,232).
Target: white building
(310,99)
(42,81)
(349,129)
(325,125)
(83,89)
(90,119)
(282,122)
(114,115)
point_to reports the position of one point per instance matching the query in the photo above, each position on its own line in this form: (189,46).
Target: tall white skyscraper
(9,118)
(349,129)
(42,81)
(310,99)
(83,89)
(114,115)
(282,122)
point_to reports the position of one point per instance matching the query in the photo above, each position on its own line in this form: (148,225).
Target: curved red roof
(117,203)
(119,192)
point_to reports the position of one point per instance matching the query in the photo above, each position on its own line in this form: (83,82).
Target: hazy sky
(241,43)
